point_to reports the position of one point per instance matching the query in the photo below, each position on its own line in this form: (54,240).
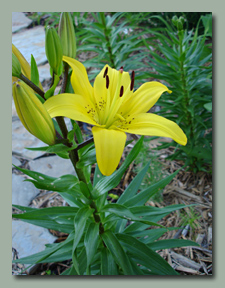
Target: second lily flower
(113,108)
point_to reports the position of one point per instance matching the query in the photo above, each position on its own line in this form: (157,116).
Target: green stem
(97,217)
(73,154)
(33,86)
(81,145)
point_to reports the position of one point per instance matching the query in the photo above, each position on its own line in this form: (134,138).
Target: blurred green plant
(45,18)
(184,60)
(113,41)
(189,217)
(145,18)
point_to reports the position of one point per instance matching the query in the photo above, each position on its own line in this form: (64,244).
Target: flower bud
(180,23)
(181,20)
(174,20)
(53,49)
(16,68)
(33,113)
(25,67)
(67,36)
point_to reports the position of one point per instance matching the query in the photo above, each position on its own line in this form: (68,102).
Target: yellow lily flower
(113,108)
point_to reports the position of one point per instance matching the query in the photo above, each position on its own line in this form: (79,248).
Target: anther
(107,81)
(106,71)
(132,81)
(121,91)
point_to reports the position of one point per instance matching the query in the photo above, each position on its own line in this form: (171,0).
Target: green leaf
(108,265)
(79,223)
(151,235)
(124,213)
(133,187)
(34,71)
(97,175)
(142,197)
(87,159)
(145,256)
(152,214)
(91,240)
(69,271)
(155,211)
(109,182)
(54,148)
(208,106)
(70,135)
(44,256)
(55,218)
(117,252)
(65,183)
(171,243)
(207,22)
(50,92)
(80,261)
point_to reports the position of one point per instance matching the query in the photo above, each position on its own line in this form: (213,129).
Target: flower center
(115,99)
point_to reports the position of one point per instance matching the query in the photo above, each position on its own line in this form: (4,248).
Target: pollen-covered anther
(107,81)
(121,91)
(132,81)
(106,71)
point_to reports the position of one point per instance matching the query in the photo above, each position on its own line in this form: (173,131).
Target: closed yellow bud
(25,66)
(33,113)
(67,36)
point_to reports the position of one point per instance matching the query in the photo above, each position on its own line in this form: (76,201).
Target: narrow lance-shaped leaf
(55,218)
(133,187)
(142,197)
(42,257)
(91,240)
(108,265)
(146,256)
(125,213)
(79,223)
(117,252)
(171,243)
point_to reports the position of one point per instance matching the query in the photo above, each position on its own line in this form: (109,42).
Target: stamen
(132,81)
(121,91)
(106,71)
(121,69)
(107,81)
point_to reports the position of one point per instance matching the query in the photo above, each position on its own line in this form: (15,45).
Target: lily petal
(79,78)
(100,90)
(73,106)
(143,98)
(153,125)
(109,145)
